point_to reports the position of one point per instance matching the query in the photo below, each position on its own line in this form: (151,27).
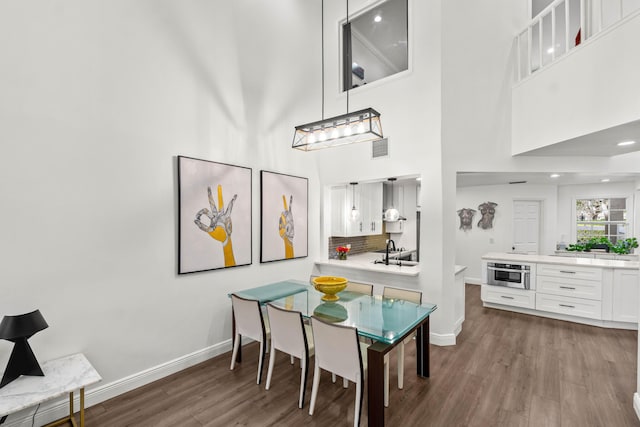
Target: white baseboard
(57,409)
(636,404)
(473,280)
(442,339)
(458,326)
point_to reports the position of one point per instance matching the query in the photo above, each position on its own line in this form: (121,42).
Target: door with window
(526,226)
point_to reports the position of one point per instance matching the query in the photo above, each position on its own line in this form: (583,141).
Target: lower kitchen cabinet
(596,295)
(625,296)
(508,296)
(581,307)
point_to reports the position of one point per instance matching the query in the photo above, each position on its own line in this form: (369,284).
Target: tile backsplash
(358,244)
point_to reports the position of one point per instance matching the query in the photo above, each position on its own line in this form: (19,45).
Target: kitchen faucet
(389,241)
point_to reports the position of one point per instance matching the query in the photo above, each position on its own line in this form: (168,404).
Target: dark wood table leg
(422,349)
(375,383)
(233,337)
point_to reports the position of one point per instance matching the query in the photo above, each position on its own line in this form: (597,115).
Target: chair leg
(261,361)
(386,380)
(358,405)
(303,380)
(333,377)
(272,360)
(345,383)
(401,365)
(292,359)
(314,388)
(236,346)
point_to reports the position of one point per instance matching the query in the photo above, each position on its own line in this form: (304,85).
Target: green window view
(596,218)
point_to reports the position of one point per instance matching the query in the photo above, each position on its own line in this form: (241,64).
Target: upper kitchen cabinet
(367,199)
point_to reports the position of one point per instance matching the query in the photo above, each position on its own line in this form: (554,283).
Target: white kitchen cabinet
(367,199)
(371,213)
(625,295)
(581,307)
(572,290)
(508,296)
(578,288)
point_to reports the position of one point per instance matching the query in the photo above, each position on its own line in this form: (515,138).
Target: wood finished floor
(507,370)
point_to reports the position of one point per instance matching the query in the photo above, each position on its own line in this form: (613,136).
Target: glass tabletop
(381,319)
(273,291)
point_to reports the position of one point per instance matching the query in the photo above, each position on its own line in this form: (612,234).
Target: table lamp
(18,329)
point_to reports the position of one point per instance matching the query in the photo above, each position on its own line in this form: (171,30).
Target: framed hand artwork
(214,215)
(284,207)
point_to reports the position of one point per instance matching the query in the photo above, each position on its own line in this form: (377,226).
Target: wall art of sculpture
(488,211)
(466,218)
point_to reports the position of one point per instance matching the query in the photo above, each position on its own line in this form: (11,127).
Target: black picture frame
(214,215)
(284,217)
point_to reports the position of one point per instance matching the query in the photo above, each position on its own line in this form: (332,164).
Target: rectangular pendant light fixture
(358,126)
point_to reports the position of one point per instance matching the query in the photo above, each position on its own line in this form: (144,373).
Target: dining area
(338,327)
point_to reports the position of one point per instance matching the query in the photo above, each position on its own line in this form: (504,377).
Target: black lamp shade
(18,329)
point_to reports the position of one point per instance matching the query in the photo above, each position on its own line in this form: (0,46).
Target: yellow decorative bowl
(330,286)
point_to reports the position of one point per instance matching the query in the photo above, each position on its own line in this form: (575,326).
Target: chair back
(360,288)
(248,317)
(337,349)
(403,294)
(287,331)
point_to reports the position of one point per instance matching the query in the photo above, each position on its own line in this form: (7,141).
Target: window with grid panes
(603,217)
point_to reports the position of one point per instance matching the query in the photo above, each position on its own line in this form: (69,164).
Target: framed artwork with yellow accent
(284,206)
(214,215)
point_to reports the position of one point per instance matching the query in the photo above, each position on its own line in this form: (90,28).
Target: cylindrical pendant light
(355,213)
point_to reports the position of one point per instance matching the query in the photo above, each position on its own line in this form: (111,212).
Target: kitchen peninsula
(361,268)
(598,292)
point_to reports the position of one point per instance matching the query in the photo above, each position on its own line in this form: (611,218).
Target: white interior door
(526,226)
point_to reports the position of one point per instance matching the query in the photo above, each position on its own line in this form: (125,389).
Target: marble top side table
(61,376)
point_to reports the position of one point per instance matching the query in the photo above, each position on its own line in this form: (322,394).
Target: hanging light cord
(351,50)
(322,48)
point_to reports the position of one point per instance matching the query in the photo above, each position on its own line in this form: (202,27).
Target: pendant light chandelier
(358,126)
(392,213)
(355,213)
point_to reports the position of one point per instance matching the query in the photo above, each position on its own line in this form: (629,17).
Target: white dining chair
(339,351)
(360,288)
(406,295)
(290,335)
(249,322)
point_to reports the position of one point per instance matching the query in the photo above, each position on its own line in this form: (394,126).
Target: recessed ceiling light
(554,175)
(605,180)
(623,143)
(378,18)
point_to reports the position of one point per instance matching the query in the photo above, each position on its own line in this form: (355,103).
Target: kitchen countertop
(365,262)
(561,260)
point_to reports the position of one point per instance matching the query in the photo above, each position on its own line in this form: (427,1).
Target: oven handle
(508,269)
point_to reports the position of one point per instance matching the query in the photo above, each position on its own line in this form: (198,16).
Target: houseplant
(342,252)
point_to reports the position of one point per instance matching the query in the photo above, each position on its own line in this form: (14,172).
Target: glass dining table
(385,321)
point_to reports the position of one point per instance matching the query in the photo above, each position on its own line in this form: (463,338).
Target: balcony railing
(564,25)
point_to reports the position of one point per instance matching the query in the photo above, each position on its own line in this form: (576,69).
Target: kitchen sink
(401,263)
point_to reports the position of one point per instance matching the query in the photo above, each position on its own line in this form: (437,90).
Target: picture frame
(214,215)
(284,215)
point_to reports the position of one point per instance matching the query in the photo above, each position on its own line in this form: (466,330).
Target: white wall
(594,87)
(97,100)
(410,107)
(472,244)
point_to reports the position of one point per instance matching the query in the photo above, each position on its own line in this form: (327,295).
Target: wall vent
(380,148)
